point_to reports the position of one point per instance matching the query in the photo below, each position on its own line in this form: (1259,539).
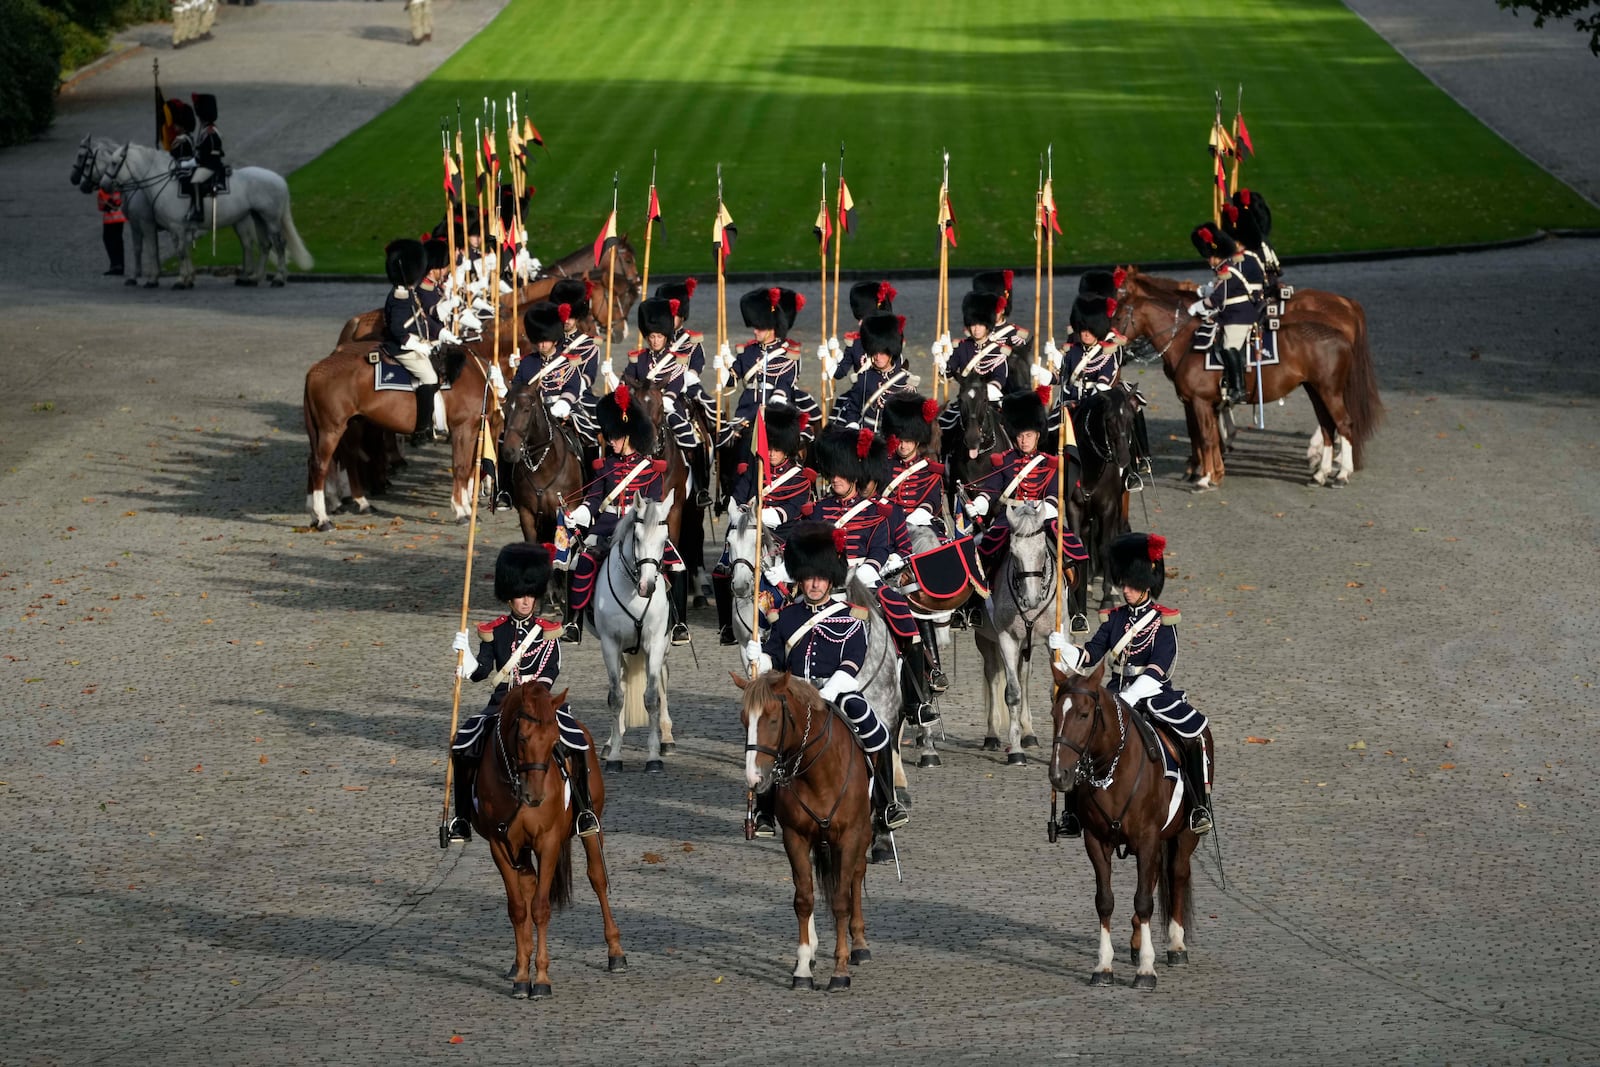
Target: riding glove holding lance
(838,684)
(469,662)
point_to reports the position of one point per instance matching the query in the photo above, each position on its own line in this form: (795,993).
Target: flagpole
(514,150)
(611,281)
(1050,243)
(838,252)
(1238,115)
(761,491)
(722,331)
(822,313)
(941,323)
(1038,258)
(492,188)
(649,228)
(1216,162)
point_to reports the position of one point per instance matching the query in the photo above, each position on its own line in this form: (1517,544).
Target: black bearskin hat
(980,309)
(868,297)
(883,333)
(655,316)
(573,292)
(1102,283)
(182,115)
(620,415)
(774,308)
(1092,313)
(438,253)
(1139,560)
(1023,411)
(837,453)
(542,322)
(1252,201)
(205,107)
(682,292)
(785,424)
(909,417)
(1240,224)
(875,466)
(405,262)
(1209,240)
(522,569)
(812,552)
(999,283)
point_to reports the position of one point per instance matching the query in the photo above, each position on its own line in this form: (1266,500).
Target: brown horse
(340,387)
(621,286)
(797,745)
(368,325)
(686,522)
(1336,373)
(539,464)
(531,840)
(1114,781)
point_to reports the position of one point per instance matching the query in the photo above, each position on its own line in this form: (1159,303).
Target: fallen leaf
(687,847)
(1253,740)
(348,788)
(653,857)
(1447,766)
(263,759)
(717,980)
(1245,588)
(456,1039)
(1357,746)
(1521,804)
(57,743)
(1354,585)
(197,768)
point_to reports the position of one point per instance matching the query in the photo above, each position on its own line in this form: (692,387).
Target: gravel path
(220,737)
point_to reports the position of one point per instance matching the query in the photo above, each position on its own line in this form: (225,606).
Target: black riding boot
(195,212)
(1068,825)
(1233,360)
(1200,795)
(722,589)
(424,431)
(766,821)
(585,822)
(914,695)
(891,814)
(1141,444)
(700,468)
(679,592)
(572,622)
(460,828)
(938,682)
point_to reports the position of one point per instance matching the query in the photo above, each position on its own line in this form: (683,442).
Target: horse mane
(1032,520)
(455,361)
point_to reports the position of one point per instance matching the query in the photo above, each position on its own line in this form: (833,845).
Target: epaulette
(808,508)
(885,510)
(489,627)
(935,468)
(657,466)
(696,334)
(633,357)
(1169,616)
(1222,271)
(1022,332)
(549,626)
(809,474)
(997,459)
(853,335)
(598,464)
(859,612)
(742,468)
(791,345)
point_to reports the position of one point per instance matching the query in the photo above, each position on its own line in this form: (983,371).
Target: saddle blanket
(945,571)
(1263,352)
(389,375)
(472,734)
(1172,708)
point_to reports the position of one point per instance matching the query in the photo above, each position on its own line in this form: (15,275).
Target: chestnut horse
(1115,782)
(530,839)
(339,387)
(796,744)
(368,325)
(539,464)
(1336,373)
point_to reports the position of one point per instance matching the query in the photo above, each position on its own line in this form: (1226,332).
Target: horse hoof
(1030,741)
(700,601)
(655,766)
(859,956)
(617,964)
(668,747)
(1339,483)
(1315,483)
(802,983)
(838,981)
(929,760)
(612,766)
(541,990)
(1102,978)
(521,990)
(130,281)
(991,744)
(1144,982)
(325,526)
(462,520)
(880,855)
(1175,958)
(246,283)
(1015,759)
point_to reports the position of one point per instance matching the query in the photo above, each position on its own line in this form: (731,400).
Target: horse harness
(1086,764)
(1015,579)
(516,776)
(633,567)
(785,774)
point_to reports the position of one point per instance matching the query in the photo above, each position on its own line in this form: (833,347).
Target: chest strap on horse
(516,655)
(826,613)
(1027,469)
(627,479)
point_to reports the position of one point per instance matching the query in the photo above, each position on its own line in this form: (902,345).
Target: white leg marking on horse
(808,948)
(1174,936)
(1314,448)
(318,509)
(1325,467)
(362,503)
(750,775)
(1147,950)
(1347,459)
(1107,953)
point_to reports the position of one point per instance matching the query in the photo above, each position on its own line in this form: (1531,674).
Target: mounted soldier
(179,134)
(575,293)
(914,488)
(866,299)
(559,377)
(1021,474)
(819,637)
(513,649)
(979,352)
(1227,303)
(1017,338)
(626,471)
(210,173)
(1140,642)
(1251,203)
(768,368)
(787,491)
(412,328)
(657,365)
(881,341)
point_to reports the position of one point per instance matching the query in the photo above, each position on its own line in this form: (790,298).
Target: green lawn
(1357,149)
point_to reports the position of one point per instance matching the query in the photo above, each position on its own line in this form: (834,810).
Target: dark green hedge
(30,70)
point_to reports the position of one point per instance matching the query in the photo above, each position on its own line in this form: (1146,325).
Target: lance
(1217,149)
(822,344)
(760,459)
(1065,436)
(1238,120)
(514,356)
(838,250)
(941,320)
(724,361)
(611,279)
(1038,257)
(649,226)
(499,234)
(479,449)
(1050,242)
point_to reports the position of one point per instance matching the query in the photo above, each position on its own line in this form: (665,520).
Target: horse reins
(633,567)
(784,777)
(1085,763)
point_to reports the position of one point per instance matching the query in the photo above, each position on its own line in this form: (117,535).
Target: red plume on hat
(623,398)
(549,549)
(1043,393)
(1244,197)
(902,319)
(1232,212)
(841,541)
(863,443)
(1119,276)
(805,420)
(886,293)
(1010,276)
(588,288)
(893,443)
(1000,304)
(564,312)
(799,301)
(689,284)
(930,410)
(1111,306)
(1155,547)
(674,304)
(772,296)
(1206,235)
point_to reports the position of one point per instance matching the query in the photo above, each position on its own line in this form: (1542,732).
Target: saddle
(389,374)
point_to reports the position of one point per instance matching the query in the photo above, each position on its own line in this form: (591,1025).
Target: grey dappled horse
(631,611)
(1020,612)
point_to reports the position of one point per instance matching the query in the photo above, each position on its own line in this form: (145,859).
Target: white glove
(893,563)
(995,393)
(445,306)
(482,306)
(609,376)
(580,516)
(534,266)
(419,346)
(941,359)
(469,662)
(829,364)
(752,652)
(833,346)
(945,345)
(1058,641)
(1141,688)
(401,292)
(1042,376)
(1048,509)
(778,573)
(733,510)
(669,404)
(840,683)
(1197,308)
(560,409)
(691,378)
(476,286)
(1208,288)
(514,360)
(446,337)
(497,380)
(978,507)
(469,321)
(1053,354)
(505,287)
(771,517)
(920,516)
(868,574)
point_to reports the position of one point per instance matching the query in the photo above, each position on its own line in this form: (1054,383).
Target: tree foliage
(1585,15)
(30,70)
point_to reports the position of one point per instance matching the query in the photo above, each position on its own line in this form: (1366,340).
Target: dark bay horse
(979,434)
(340,387)
(540,464)
(621,285)
(686,523)
(525,812)
(1336,374)
(1104,425)
(795,744)
(1114,781)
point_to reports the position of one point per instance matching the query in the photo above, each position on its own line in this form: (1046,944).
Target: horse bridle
(1083,769)
(784,776)
(633,568)
(1017,577)
(516,775)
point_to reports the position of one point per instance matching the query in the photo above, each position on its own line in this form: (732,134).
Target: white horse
(256,206)
(1022,598)
(742,576)
(630,618)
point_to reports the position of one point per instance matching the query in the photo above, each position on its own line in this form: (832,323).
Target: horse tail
(561,877)
(823,866)
(1169,858)
(634,714)
(297,248)
(1361,398)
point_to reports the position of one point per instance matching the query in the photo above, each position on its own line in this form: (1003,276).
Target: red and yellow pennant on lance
(653,212)
(723,232)
(1244,133)
(607,238)
(1052,220)
(847,210)
(947,216)
(530,132)
(823,227)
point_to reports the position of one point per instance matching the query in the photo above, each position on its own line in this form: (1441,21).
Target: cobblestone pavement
(222,737)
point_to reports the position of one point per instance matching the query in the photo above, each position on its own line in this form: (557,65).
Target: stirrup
(459,829)
(894,816)
(924,714)
(1068,825)
(725,636)
(587,823)
(1132,482)
(1200,821)
(938,681)
(766,826)
(703,498)
(1080,623)
(573,633)
(680,633)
